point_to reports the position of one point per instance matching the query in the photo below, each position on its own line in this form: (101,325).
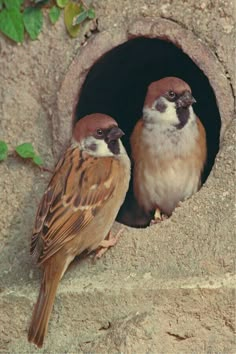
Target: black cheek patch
(183,116)
(160,105)
(114,147)
(92,147)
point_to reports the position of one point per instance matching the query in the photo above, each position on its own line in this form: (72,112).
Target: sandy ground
(166,289)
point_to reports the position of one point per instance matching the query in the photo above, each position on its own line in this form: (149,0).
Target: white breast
(172,176)
(168,186)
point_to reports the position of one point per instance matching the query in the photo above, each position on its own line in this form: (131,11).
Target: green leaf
(1,4)
(33,21)
(38,160)
(91,14)
(11,24)
(13,4)
(3,150)
(77,20)
(61,3)
(54,14)
(72,10)
(25,150)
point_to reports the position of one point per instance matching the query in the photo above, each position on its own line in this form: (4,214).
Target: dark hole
(117,84)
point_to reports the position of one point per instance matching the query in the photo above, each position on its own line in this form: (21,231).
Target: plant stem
(84,4)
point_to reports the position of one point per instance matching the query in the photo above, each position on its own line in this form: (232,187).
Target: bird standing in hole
(168,148)
(78,208)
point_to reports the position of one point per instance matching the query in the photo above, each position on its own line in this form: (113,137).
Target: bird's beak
(114,134)
(185,100)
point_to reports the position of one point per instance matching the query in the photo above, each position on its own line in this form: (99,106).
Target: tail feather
(44,305)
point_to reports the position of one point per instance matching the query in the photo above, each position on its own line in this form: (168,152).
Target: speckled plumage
(78,208)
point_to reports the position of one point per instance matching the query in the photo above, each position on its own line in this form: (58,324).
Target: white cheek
(162,138)
(102,149)
(96,147)
(168,116)
(99,148)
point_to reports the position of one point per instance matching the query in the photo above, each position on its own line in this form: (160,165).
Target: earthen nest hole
(116,85)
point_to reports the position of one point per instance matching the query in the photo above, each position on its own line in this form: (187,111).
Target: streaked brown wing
(80,186)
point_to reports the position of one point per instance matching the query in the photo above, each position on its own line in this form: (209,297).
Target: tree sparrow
(78,208)
(168,147)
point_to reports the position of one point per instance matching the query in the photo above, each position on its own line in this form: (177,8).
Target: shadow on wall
(117,85)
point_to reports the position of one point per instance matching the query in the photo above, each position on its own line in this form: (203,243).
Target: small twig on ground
(45,169)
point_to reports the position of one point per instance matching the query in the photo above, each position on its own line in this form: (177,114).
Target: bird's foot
(158,217)
(110,241)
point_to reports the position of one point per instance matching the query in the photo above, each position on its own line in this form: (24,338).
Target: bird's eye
(171,94)
(99,132)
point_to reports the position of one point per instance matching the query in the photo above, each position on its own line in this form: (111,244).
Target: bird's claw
(110,241)
(158,217)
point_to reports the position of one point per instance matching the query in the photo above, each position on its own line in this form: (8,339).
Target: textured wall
(166,289)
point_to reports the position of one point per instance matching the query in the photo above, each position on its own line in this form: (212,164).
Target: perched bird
(168,147)
(78,208)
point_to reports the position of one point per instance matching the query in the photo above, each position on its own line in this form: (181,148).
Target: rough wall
(176,290)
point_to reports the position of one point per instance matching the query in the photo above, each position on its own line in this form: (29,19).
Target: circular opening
(117,84)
